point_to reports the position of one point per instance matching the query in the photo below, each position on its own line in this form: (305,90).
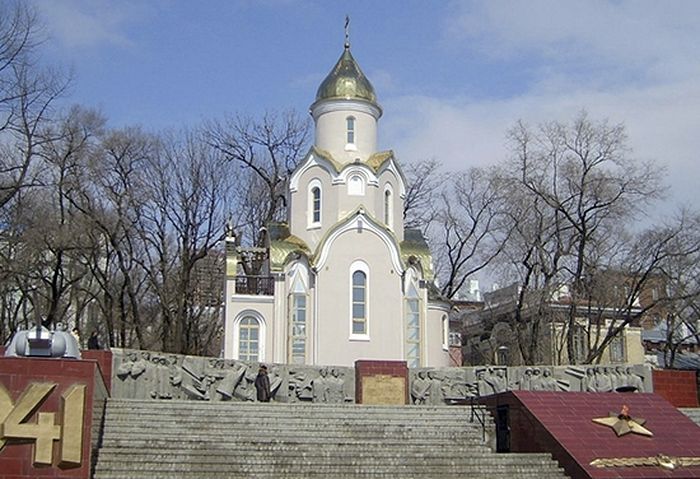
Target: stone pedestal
(47,410)
(381,382)
(562,424)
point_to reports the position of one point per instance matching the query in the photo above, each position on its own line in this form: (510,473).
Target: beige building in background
(342,280)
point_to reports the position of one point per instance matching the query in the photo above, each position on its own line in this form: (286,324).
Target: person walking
(94,341)
(262,384)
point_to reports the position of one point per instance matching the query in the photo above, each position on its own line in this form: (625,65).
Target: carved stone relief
(454,385)
(162,376)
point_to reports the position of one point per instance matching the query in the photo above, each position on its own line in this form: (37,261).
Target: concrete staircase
(692,413)
(188,439)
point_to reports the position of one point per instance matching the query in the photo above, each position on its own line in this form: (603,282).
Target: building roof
(659,334)
(346,81)
(283,244)
(375,161)
(683,360)
(414,245)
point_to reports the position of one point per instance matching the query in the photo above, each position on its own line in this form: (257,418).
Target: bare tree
(585,174)
(271,148)
(111,200)
(677,294)
(424,183)
(468,231)
(188,184)
(27,97)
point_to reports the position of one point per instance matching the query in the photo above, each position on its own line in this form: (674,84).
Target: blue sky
(452,76)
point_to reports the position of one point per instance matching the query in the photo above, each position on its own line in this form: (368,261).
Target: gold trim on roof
(375,161)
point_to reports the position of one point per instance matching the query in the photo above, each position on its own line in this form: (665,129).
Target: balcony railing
(255,285)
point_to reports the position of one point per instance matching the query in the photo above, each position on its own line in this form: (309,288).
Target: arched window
(249,339)
(413,333)
(356,185)
(445,332)
(350,130)
(388,205)
(359,317)
(315,204)
(297,323)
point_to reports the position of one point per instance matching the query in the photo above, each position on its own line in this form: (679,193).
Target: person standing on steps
(262,384)
(94,341)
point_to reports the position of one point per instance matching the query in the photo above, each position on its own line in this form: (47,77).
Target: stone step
(317,466)
(257,454)
(284,408)
(284,411)
(248,420)
(524,474)
(198,440)
(215,428)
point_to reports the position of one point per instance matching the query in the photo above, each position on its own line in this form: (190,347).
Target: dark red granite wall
(680,388)
(16,374)
(561,423)
(104,360)
(372,368)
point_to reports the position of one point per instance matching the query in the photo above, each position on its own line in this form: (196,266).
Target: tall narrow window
(350,130)
(249,339)
(298,329)
(316,204)
(387,206)
(617,349)
(413,327)
(359,303)
(445,332)
(580,344)
(297,321)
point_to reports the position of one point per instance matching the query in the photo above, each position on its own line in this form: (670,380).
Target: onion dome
(346,81)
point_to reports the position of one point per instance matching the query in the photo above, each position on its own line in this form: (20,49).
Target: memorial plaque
(383,389)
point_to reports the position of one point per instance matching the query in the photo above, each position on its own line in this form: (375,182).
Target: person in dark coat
(262,384)
(93,341)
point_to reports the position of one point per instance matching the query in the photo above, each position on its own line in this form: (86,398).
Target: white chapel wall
(384,300)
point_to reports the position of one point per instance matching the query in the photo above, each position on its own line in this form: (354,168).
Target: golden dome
(346,81)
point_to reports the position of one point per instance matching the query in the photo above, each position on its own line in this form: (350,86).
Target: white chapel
(342,280)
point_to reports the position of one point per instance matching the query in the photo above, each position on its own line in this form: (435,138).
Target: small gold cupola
(346,81)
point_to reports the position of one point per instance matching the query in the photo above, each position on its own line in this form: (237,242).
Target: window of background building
(617,349)
(580,343)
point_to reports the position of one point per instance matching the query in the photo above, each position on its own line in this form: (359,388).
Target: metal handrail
(255,285)
(475,414)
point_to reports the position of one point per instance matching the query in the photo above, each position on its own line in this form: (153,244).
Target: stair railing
(474,414)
